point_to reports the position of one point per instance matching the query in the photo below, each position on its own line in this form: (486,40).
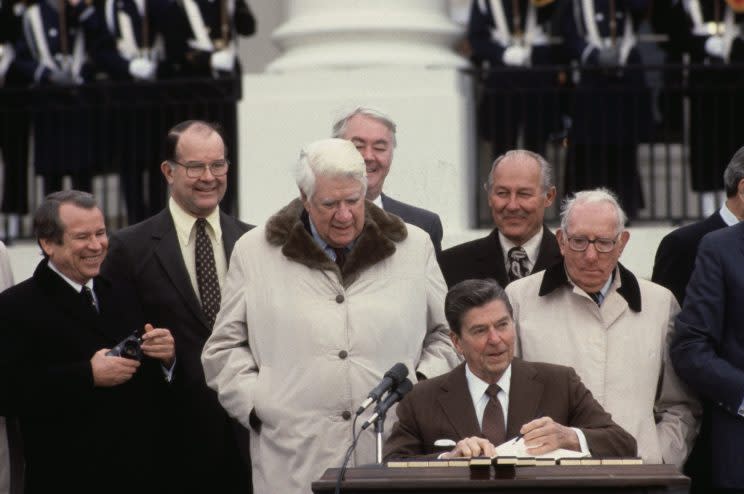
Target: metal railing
(105,137)
(660,136)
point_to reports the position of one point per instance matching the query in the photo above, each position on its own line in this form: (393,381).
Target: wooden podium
(526,480)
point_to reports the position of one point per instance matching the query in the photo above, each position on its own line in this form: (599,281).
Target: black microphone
(391,399)
(390,380)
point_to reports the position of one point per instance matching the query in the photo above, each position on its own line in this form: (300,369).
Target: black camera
(130,348)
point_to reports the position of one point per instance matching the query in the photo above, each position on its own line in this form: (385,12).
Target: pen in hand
(520,435)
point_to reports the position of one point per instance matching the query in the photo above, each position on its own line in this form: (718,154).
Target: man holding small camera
(90,420)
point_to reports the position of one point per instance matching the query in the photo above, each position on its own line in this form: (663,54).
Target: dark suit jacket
(675,257)
(422,218)
(77,437)
(483,258)
(441,408)
(707,350)
(149,257)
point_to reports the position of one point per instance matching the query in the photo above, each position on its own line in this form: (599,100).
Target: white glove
(223,60)
(714,46)
(142,68)
(516,56)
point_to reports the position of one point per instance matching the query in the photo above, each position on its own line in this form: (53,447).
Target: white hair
(593,196)
(329,158)
(339,128)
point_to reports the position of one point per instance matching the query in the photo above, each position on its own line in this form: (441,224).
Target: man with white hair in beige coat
(591,313)
(317,305)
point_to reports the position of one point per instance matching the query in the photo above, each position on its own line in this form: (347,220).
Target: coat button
(343,354)
(346,415)
(339,298)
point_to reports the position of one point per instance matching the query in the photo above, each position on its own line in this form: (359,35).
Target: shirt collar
(327,249)
(184,223)
(531,247)
(728,217)
(478,386)
(378,201)
(74,284)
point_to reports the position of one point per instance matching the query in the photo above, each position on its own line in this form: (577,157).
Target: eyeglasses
(195,169)
(604,245)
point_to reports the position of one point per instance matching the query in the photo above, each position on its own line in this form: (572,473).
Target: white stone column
(336,55)
(364,33)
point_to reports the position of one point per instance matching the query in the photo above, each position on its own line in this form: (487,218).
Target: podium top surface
(639,478)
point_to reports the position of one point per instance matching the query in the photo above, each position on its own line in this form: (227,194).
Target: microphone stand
(379,429)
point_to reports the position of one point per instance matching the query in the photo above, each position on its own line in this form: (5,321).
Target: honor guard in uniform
(65,44)
(202,38)
(611,110)
(134,146)
(710,31)
(516,34)
(14,120)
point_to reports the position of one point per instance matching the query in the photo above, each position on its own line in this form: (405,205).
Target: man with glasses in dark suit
(177,259)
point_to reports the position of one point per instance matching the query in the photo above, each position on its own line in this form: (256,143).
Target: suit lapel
(549,251)
(524,397)
(456,403)
(491,259)
(169,254)
(230,234)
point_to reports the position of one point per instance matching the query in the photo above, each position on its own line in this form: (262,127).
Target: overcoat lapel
(68,301)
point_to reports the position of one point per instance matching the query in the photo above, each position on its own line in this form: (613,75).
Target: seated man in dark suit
(373,134)
(520,187)
(90,422)
(494,396)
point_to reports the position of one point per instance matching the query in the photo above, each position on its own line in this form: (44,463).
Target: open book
(518,449)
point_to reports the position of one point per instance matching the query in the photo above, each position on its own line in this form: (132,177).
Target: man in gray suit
(373,134)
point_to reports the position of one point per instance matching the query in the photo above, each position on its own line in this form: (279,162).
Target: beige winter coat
(295,349)
(619,349)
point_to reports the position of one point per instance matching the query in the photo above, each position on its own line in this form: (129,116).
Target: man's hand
(159,343)
(111,371)
(471,446)
(543,435)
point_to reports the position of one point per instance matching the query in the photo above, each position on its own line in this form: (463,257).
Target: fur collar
(376,242)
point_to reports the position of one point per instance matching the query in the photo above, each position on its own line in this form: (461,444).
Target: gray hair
(339,128)
(329,158)
(734,173)
(470,294)
(546,169)
(47,223)
(593,196)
